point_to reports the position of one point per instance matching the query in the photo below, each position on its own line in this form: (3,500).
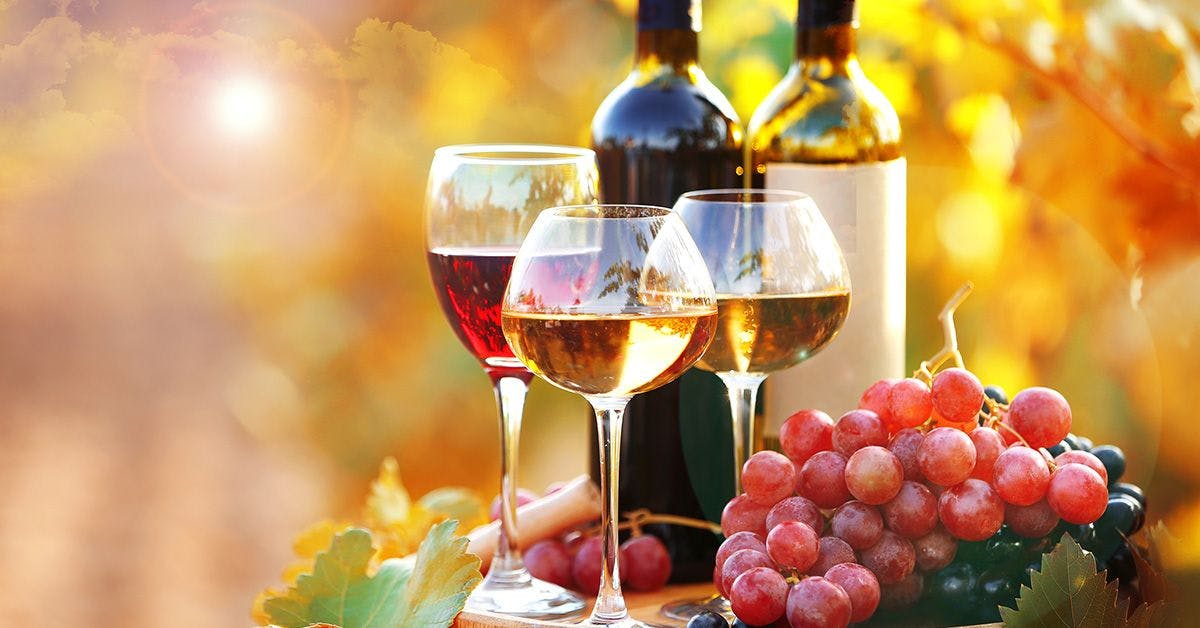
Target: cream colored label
(864,205)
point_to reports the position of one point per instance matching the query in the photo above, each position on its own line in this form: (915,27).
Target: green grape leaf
(442,578)
(1068,591)
(426,591)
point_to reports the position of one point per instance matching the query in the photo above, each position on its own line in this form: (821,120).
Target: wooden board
(643,606)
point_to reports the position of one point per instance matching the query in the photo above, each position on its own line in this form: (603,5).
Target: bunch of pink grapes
(853,512)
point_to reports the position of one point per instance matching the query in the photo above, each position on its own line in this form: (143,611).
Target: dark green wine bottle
(666,130)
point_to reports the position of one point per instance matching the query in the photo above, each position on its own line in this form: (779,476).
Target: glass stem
(510,398)
(610,605)
(743,393)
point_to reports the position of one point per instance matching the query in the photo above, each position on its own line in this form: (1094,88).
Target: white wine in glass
(638,314)
(783,292)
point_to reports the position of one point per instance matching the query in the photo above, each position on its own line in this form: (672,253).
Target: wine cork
(577,502)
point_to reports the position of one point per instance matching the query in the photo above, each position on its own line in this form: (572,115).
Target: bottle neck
(678,49)
(835,43)
(667,34)
(827,33)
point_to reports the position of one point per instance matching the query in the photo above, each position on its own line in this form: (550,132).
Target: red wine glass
(479,203)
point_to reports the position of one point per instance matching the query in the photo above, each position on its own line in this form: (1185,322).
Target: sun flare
(244,107)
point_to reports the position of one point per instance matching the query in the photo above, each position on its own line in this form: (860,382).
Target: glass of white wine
(609,301)
(783,292)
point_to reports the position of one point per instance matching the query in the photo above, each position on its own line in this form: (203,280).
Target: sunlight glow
(244,106)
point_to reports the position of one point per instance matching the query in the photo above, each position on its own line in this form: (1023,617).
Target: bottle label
(864,205)
(668,15)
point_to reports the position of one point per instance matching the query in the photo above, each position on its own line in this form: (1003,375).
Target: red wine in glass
(470,283)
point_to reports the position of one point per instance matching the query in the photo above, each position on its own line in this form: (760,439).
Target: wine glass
(783,292)
(479,203)
(637,311)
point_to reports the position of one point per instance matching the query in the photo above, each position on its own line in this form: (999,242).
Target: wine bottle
(827,131)
(666,130)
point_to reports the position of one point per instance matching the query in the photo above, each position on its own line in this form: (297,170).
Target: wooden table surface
(643,606)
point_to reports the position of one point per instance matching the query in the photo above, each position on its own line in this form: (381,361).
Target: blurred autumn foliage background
(215,318)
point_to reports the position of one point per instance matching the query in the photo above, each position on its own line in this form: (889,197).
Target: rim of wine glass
(564,211)
(516,154)
(770,196)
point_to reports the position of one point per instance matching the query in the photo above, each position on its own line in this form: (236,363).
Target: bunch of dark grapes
(871,510)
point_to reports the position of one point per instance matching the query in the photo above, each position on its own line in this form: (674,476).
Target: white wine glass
(639,311)
(480,201)
(783,292)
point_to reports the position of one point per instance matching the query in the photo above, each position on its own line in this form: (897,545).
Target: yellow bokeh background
(216,319)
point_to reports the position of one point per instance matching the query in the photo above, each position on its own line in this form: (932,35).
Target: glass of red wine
(479,203)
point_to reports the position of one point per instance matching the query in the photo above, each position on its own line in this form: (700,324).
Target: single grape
(996,393)
(997,587)
(912,513)
(739,563)
(1021,476)
(823,479)
(1003,547)
(1085,458)
(585,567)
(744,514)
(1123,514)
(797,508)
(717,583)
(1132,490)
(988,446)
(1040,415)
(524,496)
(905,444)
(549,560)
(1113,460)
(874,474)
(831,551)
(767,477)
(759,596)
(645,563)
(856,523)
(1083,533)
(1072,442)
(894,597)
(891,559)
(909,403)
(946,456)
(815,602)
(955,584)
(971,511)
(1085,443)
(860,585)
(957,395)
(740,541)
(805,433)
(1033,521)
(875,399)
(708,619)
(857,429)
(792,545)
(1077,493)
(1059,448)
(935,550)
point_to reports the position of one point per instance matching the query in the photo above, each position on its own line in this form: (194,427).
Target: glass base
(522,595)
(628,622)
(684,610)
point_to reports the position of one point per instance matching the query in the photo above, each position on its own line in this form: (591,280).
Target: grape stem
(950,348)
(635,519)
